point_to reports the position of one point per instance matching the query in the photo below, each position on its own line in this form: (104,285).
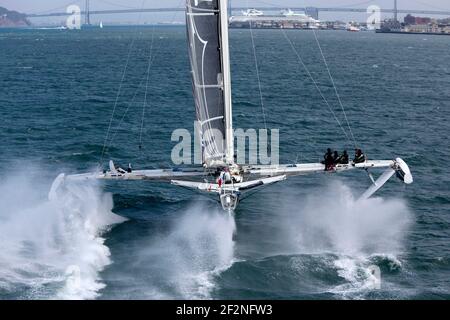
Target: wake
(53,249)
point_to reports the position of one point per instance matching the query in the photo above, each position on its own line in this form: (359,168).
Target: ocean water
(305,239)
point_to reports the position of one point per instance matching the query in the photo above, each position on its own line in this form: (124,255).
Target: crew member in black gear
(325,156)
(360,157)
(328,160)
(336,157)
(343,159)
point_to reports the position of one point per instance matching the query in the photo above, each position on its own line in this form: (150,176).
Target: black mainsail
(207,32)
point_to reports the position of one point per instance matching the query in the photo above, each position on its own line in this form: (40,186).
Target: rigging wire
(335,88)
(125,113)
(153,54)
(119,91)
(150,62)
(300,59)
(257,74)
(312,78)
(129,104)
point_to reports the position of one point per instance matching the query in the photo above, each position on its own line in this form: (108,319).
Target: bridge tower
(312,12)
(395,11)
(87,18)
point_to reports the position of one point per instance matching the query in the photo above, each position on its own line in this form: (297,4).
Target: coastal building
(420,28)
(411,20)
(391,25)
(416,25)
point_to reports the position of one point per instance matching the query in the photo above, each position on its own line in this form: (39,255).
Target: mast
(229,136)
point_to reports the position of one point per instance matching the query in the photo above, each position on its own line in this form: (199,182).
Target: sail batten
(206,52)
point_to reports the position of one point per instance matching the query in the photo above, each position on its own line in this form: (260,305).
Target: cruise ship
(287,19)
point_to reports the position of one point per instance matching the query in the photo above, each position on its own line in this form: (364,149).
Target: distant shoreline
(59,27)
(416,33)
(12,19)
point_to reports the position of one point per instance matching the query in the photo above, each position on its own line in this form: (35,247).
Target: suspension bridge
(313,11)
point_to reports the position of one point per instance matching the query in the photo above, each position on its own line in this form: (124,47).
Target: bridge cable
(58,8)
(355,4)
(272,5)
(116,4)
(429,5)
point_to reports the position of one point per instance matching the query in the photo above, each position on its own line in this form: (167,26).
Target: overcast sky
(32,6)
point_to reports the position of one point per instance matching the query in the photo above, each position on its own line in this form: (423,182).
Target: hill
(12,18)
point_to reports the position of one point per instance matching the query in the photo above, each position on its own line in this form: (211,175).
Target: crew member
(325,156)
(235,175)
(360,157)
(335,157)
(328,160)
(343,159)
(224,177)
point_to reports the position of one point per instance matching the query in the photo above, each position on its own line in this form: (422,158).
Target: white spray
(53,249)
(198,247)
(331,221)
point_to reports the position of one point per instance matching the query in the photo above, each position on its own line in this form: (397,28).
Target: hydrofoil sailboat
(221,175)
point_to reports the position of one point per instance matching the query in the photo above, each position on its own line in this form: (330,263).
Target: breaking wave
(53,249)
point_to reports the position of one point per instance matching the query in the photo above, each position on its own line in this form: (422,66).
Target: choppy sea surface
(307,238)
